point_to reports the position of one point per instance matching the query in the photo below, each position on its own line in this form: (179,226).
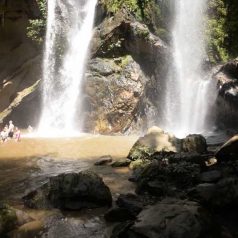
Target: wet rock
(131,202)
(121,163)
(228,151)
(194,143)
(203,192)
(210,176)
(231,68)
(191,157)
(226,77)
(175,218)
(104,160)
(139,164)
(71,191)
(167,180)
(223,194)
(121,230)
(118,214)
(8,219)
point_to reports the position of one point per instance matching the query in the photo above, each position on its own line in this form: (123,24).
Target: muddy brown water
(27,165)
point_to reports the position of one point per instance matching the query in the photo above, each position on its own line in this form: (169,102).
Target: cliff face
(125,76)
(19,57)
(122,85)
(227,100)
(124,82)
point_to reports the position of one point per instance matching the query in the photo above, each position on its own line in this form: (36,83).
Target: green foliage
(146,11)
(232,27)
(158,16)
(222,31)
(36,28)
(216,31)
(133,6)
(8,219)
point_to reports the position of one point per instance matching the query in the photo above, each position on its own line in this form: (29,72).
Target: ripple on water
(75,228)
(19,177)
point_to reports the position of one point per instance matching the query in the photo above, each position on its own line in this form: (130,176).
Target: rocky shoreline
(181,190)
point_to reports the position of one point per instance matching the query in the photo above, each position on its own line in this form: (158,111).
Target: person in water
(4,133)
(17,134)
(10,129)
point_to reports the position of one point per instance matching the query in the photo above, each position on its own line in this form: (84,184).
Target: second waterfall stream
(190,92)
(69,32)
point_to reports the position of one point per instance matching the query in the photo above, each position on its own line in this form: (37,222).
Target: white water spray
(189,93)
(69,31)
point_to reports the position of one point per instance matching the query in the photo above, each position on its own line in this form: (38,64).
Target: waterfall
(69,31)
(190,92)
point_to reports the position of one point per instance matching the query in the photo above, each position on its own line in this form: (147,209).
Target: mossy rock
(139,164)
(121,163)
(8,219)
(140,152)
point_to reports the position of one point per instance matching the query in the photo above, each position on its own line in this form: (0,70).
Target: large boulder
(194,143)
(228,151)
(171,179)
(71,191)
(170,218)
(130,202)
(226,77)
(129,206)
(122,78)
(221,195)
(113,89)
(175,218)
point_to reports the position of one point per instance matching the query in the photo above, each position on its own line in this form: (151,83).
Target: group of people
(10,132)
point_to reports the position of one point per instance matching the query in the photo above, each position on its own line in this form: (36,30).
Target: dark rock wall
(19,57)
(227,100)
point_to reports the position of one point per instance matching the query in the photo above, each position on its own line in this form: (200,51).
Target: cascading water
(69,31)
(189,92)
